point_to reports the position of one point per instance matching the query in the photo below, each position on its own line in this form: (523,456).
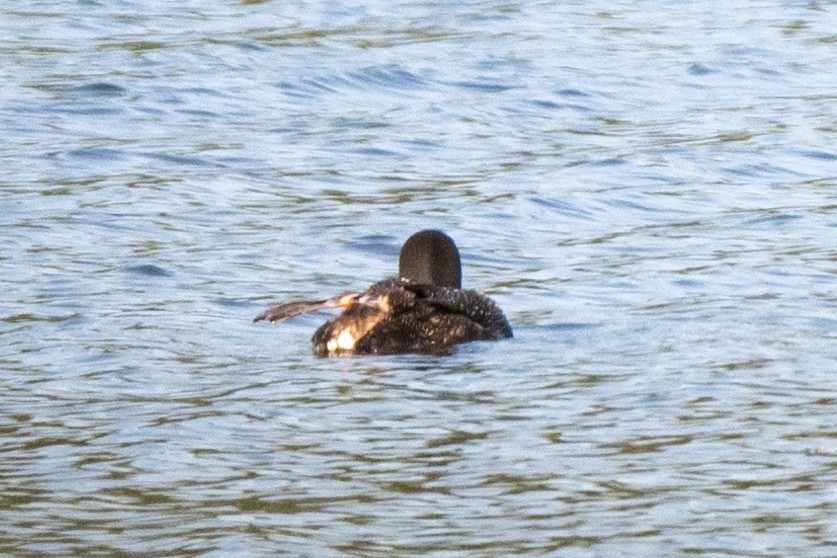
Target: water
(651,195)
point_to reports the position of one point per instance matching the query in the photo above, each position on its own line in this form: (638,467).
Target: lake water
(648,190)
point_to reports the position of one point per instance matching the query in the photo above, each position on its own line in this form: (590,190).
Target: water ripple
(650,197)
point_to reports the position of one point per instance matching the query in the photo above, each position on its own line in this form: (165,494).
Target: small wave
(100,89)
(148,270)
(381,79)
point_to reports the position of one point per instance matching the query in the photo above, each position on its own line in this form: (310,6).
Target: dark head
(430,257)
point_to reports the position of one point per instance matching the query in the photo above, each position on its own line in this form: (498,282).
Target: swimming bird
(423,310)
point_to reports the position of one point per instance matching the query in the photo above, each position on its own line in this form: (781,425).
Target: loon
(423,310)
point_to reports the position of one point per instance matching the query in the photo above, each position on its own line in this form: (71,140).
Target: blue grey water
(649,190)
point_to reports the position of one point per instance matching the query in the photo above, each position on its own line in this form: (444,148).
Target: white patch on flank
(345,341)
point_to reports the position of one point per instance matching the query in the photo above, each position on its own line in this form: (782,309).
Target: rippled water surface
(650,192)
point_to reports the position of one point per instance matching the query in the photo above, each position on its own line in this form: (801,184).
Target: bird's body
(400,316)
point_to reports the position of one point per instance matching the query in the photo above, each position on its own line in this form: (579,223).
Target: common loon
(423,310)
